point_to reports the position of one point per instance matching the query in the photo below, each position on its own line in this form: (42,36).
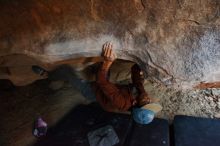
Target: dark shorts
(68,74)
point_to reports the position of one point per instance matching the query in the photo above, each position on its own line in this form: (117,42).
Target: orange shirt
(112,97)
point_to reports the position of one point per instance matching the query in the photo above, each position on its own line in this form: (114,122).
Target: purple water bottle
(40,128)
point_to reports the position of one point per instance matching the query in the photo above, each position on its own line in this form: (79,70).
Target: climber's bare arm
(108,54)
(109,89)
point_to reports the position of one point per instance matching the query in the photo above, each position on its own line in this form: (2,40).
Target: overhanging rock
(176,42)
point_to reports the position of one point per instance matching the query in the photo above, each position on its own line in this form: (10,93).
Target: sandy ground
(21,105)
(199,103)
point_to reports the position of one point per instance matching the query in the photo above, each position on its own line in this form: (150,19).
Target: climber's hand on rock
(108,52)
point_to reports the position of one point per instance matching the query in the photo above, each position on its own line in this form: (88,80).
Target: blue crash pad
(193,131)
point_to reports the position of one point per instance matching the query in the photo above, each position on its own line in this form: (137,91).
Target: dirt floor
(199,103)
(52,100)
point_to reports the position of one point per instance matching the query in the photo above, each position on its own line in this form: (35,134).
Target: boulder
(175,42)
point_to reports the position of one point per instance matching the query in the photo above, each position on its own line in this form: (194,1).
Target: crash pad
(194,131)
(154,134)
(82,124)
(73,129)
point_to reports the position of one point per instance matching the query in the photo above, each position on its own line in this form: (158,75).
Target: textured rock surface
(169,38)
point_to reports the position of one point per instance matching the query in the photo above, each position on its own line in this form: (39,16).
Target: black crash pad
(73,129)
(193,131)
(153,134)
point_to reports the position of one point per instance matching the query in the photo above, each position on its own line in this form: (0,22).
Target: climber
(112,97)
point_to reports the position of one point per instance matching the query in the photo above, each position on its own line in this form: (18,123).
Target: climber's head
(137,75)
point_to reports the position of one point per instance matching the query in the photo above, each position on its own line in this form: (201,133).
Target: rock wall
(176,42)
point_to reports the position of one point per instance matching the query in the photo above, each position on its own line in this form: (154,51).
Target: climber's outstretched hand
(108,52)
